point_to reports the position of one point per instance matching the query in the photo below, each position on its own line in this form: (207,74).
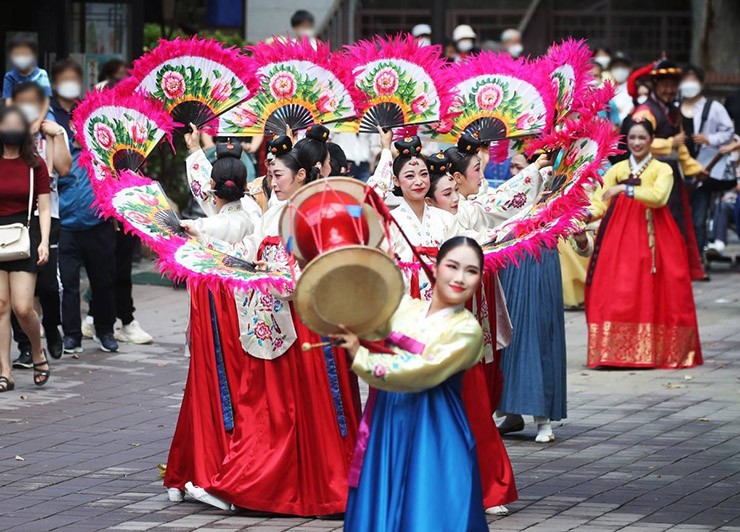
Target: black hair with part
(695,70)
(456,242)
(229,173)
(28,149)
(338,159)
(109,68)
(301,17)
(23,40)
(645,124)
(439,165)
(462,154)
(63,65)
(29,86)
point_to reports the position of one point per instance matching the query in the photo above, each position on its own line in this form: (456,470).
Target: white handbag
(15,239)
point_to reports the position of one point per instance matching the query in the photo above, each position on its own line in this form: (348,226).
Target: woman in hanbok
(639,301)
(297,416)
(206,421)
(417,469)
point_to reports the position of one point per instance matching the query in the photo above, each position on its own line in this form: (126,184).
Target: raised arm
(382,178)
(198,171)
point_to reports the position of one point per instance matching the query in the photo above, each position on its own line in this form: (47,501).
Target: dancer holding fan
(294,432)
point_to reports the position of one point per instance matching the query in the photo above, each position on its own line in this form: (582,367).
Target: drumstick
(307,346)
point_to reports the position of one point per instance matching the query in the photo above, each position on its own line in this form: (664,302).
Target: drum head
(347,185)
(357,286)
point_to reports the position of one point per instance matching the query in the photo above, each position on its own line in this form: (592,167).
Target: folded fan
(498,98)
(196,79)
(117,131)
(568,64)
(301,84)
(402,82)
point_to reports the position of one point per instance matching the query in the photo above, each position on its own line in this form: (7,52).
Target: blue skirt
(420,471)
(534,365)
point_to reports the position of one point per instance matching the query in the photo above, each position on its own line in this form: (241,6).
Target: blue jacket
(76,198)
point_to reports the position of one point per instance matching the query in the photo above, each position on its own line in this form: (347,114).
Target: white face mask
(603,60)
(642,99)
(30,111)
(424,41)
(69,90)
(689,89)
(22,62)
(310,33)
(620,74)
(515,50)
(465,45)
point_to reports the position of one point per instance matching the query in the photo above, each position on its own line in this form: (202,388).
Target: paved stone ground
(640,450)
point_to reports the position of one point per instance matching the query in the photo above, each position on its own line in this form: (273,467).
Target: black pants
(94,249)
(125,247)
(47,290)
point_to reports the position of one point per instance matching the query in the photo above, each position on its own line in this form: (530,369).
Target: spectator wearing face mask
(66,81)
(111,73)
(464,38)
(603,56)
(423,34)
(23,53)
(511,41)
(302,24)
(52,145)
(707,126)
(620,68)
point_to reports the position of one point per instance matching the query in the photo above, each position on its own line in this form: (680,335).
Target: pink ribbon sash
(363,433)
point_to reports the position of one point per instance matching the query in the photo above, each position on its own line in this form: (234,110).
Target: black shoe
(72,345)
(107,342)
(54,344)
(24,361)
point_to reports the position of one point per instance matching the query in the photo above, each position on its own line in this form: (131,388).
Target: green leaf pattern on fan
(299,83)
(139,206)
(564,79)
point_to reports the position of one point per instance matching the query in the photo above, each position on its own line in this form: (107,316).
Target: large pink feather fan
(502,99)
(196,79)
(402,82)
(563,206)
(301,84)
(569,64)
(118,130)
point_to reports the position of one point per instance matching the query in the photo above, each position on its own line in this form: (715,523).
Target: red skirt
(639,302)
(291,448)
(202,435)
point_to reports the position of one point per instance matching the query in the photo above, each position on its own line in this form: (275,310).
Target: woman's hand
(189,227)
(192,139)
(51,128)
(581,240)
(348,341)
(729,148)
(679,139)
(614,191)
(543,161)
(290,134)
(386,137)
(43,254)
(700,138)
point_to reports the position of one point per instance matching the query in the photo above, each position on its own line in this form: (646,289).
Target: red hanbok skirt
(291,450)
(201,439)
(639,301)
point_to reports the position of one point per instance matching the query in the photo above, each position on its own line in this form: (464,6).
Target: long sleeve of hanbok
(198,171)
(245,249)
(382,179)
(598,206)
(656,194)
(499,204)
(451,352)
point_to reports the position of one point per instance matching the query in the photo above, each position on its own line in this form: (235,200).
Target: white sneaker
(175,494)
(718,246)
(497,510)
(544,430)
(88,327)
(199,494)
(133,334)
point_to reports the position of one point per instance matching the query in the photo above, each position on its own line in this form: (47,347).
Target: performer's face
(639,141)
(284,181)
(471,180)
(666,89)
(445,195)
(413,179)
(458,276)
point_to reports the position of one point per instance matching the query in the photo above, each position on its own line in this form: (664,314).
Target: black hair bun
(408,145)
(280,145)
(228,149)
(317,132)
(439,163)
(469,143)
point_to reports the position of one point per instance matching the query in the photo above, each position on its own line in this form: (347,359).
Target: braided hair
(229,173)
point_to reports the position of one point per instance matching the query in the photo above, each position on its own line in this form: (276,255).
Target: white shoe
(199,494)
(718,246)
(133,334)
(544,430)
(497,510)
(88,328)
(175,494)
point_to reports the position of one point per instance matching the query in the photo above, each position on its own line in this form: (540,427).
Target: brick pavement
(640,450)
